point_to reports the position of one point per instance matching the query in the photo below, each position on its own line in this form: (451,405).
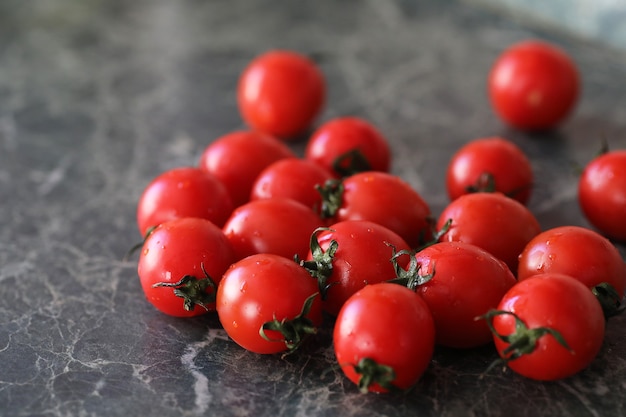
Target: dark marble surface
(99,96)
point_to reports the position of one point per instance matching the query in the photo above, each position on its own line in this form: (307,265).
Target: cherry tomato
(183,192)
(498,224)
(268,304)
(533,85)
(382,198)
(384,337)
(237,158)
(575,251)
(349,255)
(277,225)
(459,282)
(281,93)
(490,164)
(181,263)
(556,329)
(340,138)
(292,178)
(602,193)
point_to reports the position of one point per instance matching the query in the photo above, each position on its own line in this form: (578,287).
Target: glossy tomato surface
(390,325)
(237,158)
(533,85)
(490,164)
(260,289)
(178,248)
(563,304)
(281,93)
(602,193)
(183,192)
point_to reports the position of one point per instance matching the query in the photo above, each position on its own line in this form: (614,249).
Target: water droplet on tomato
(145,251)
(235,324)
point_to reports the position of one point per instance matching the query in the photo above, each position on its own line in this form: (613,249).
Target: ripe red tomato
(602,193)
(237,158)
(498,224)
(548,301)
(533,85)
(384,337)
(349,255)
(382,198)
(292,178)
(465,282)
(183,192)
(490,164)
(277,225)
(267,294)
(340,137)
(281,93)
(575,251)
(185,258)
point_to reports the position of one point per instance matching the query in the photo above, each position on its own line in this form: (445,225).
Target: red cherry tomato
(188,257)
(382,198)
(490,164)
(384,337)
(340,138)
(281,93)
(602,193)
(498,224)
(292,178)
(533,85)
(237,159)
(276,225)
(575,251)
(183,192)
(349,255)
(556,302)
(272,293)
(462,281)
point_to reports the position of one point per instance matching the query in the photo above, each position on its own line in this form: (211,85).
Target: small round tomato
(281,93)
(492,221)
(292,178)
(384,337)
(459,282)
(349,255)
(548,327)
(382,198)
(181,263)
(237,158)
(575,251)
(268,304)
(490,164)
(533,85)
(602,193)
(277,225)
(183,192)
(345,145)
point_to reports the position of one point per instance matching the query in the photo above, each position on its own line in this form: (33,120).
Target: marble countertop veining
(97,97)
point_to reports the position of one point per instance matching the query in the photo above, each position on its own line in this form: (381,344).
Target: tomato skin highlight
(505,163)
(281,92)
(340,135)
(466,282)
(258,289)
(575,251)
(237,158)
(387,323)
(602,194)
(564,304)
(498,224)
(533,85)
(179,247)
(183,192)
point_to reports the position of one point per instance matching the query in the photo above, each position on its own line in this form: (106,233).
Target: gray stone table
(99,96)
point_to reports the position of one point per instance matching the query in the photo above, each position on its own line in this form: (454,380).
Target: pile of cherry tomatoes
(272,242)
